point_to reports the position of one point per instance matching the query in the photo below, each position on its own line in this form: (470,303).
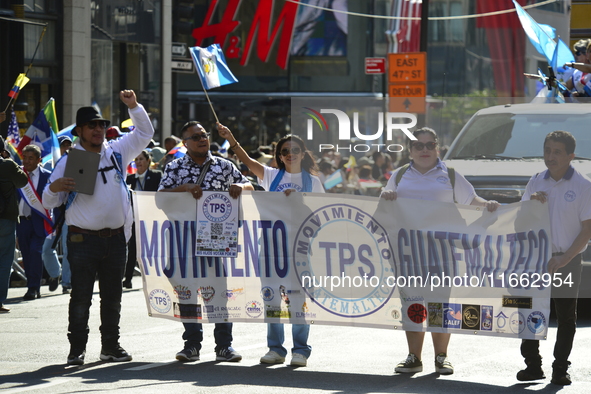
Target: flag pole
(209,101)
(30,64)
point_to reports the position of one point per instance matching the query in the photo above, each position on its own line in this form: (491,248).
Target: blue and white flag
(333,180)
(224,148)
(542,38)
(562,54)
(211,66)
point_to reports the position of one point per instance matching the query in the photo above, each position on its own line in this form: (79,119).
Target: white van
(501,147)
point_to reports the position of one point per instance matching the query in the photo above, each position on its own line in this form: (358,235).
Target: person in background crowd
(146,180)
(12,177)
(169,144)
(113,133)
(428,178)
(99,226)
(157,153)
(51,261)
(377,169)
(31,231)
(194,173)
(297,172)
(65,144)
(568,195)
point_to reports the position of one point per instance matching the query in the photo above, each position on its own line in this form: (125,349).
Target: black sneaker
(76,357)
(532,372)
(66,289)
(442,365)
(53,283)
(188,354)
(227,354)
(115,354)
(411,365)
(560,375)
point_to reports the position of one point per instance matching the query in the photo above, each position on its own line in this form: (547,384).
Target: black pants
(565,303)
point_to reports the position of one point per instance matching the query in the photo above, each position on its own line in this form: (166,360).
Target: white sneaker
(298,360)
(272,358)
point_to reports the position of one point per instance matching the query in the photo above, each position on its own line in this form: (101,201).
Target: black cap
(85,115)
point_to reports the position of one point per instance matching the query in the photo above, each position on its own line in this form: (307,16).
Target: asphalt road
(34,346)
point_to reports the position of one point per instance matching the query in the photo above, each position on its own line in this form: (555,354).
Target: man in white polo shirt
(568,194)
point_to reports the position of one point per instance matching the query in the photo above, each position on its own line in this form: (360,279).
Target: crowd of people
(97,228)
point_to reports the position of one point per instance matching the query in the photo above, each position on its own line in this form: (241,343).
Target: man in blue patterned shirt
(183,175)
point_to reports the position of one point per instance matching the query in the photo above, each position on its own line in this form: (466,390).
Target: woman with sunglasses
(296,172)
(427,178)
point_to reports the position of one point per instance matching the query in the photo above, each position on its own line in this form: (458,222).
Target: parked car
(501,147)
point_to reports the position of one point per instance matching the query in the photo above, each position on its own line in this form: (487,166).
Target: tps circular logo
(254,309)
(217,207)
(570,196)
(342,254)
(517,322)
(160,300)
(536,322)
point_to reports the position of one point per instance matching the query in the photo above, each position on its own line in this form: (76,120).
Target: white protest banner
(351,260)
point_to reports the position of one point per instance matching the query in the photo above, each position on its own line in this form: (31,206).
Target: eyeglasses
(420,145)
(294,151)
(579,53)
(93,124)
(198,137)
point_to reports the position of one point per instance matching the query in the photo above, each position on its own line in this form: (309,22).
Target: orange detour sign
(407,98)
(407,76)
(407,67)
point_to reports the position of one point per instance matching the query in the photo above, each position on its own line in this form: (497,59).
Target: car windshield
(518,136)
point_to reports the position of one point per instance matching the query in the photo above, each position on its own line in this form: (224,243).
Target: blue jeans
(31,245)
(299,333)
(51,260)
(7,246)
(90,255)
(193,335)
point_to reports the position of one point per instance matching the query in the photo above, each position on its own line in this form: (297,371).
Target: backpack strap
(451,172)
(401,172)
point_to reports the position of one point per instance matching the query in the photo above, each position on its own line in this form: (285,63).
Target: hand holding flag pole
(212,69)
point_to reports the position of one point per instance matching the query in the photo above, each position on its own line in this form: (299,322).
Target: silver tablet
(83,167)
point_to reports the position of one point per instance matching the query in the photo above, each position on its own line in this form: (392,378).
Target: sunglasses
(420,145)
(93,124)
(198,137)
(579,53)
(294,151)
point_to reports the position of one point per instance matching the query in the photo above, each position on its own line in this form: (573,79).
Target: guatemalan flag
(211,66)
(43,133)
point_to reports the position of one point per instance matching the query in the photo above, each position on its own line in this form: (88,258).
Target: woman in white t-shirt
(428,178)
(297,172)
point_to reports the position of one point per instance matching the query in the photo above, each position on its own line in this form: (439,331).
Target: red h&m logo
(261,27)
